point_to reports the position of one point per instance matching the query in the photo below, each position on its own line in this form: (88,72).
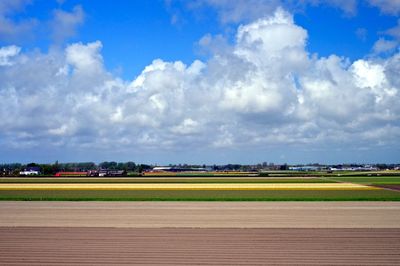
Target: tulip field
(198,187)
(202,189)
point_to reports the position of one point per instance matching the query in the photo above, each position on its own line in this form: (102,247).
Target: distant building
(304,168)
(106,172)
(358,168)
(178,169)
(30,170)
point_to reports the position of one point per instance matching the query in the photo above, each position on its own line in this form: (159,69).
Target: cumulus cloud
(8,52)
(266,90)
(85,58)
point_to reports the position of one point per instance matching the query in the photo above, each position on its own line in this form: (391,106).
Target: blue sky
(134,33)
(200,81)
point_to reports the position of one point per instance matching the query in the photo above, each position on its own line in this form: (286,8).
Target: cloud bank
(265,90)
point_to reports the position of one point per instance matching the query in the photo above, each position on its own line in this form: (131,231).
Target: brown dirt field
(202,214)
(184,246)
(200,233)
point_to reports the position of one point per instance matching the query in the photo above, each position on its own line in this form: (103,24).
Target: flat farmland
(184,186)
(163,180)
(182,221)
(200,189)
(188,246)
(201,214)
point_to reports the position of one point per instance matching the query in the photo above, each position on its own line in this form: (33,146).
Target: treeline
(225,167)
(51,169)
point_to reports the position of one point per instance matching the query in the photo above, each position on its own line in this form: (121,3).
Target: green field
(204,195)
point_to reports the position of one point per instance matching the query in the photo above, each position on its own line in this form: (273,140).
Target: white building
(29,172)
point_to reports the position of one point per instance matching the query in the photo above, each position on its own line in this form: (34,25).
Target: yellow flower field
(185,186)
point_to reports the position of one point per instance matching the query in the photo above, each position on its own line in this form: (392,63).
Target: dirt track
(202,214)
(94,246)
(207,233)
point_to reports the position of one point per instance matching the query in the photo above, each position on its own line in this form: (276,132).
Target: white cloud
(8,52)
(85,58)
(188,126)
(368,75)
(269,51)
(264,91)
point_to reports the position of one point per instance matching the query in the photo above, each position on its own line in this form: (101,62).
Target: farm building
(106,172)
(30,170)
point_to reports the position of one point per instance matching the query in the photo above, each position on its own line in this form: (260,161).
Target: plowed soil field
(199,233)
(199,246)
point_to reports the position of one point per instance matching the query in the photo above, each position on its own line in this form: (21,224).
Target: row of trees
(51,169)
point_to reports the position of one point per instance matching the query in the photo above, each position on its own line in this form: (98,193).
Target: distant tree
(108,165)
(87,166)
(142,167)
(46,169)
(16,171)
(130,166)
(55,167)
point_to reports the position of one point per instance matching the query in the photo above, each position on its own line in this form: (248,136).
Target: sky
(200,81)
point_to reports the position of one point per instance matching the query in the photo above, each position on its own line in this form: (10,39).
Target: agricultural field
(199,233)
(285,188)
(166,180)
(368,180)
(386,182)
